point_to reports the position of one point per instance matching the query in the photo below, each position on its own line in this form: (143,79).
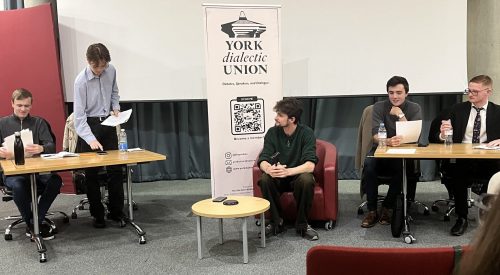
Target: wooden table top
(85,160)
(246,207)
(438,151)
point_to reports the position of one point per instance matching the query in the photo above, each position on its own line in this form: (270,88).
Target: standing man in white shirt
(95,98)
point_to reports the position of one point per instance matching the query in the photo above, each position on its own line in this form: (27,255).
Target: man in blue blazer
(474,121)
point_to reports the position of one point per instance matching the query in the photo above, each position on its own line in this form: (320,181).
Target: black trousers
(302,186)
(107,137)
(464,173)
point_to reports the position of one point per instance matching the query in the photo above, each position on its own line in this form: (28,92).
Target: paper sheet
(120,119)
(410,130)
(59,155)
(485,147)
(401,151)
(26,136)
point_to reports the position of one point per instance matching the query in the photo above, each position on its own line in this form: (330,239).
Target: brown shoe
(385,216)
(370,220)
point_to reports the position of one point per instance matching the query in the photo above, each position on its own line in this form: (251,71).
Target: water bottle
(122,141)
(18,149)
(382,136)
(448,137)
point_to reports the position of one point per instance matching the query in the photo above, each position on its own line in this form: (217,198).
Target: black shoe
(460,226)
(272,229)
(308,233)
(116,217)
(46,232)
(99,222)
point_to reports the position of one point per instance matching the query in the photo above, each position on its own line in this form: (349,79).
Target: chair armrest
(330,179)
(256,174)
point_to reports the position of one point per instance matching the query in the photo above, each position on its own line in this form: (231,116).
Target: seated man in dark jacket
(474,121)
(48,185)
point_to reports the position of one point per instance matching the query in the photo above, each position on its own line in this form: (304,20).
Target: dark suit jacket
(459,116)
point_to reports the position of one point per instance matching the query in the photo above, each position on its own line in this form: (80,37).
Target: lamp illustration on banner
(243,28)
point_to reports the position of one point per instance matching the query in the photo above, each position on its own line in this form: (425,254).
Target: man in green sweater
(288,160)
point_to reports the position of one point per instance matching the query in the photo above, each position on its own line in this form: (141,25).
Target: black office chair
(478,186)
(18,219)
(412,174)
(80,183)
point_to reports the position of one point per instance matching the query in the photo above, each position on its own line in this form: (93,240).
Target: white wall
(334,47)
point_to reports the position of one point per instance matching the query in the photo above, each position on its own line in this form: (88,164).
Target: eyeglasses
(473,92)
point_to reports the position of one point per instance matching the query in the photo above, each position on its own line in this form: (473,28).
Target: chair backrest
(346,260)
(365,137)
(326,153)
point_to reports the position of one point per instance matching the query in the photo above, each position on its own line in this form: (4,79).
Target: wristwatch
(401,115)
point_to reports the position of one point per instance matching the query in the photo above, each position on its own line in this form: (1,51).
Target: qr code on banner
(247,116)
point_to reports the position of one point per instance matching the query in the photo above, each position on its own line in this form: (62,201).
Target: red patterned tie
(476,129)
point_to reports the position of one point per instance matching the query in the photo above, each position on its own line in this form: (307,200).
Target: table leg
(221,232)
(130,219)
(198,236)
(245,240)
(262,230)
(129,194)
(34,206)
(408,237)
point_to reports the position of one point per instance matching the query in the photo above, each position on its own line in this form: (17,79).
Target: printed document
(410,130)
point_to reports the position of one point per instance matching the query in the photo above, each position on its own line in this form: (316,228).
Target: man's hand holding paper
(30,149)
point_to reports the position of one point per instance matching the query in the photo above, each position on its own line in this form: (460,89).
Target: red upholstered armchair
(325,202)
(346,260)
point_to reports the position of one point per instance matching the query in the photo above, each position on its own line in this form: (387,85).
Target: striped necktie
(476,129)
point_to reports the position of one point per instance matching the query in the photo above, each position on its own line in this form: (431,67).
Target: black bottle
(18,149)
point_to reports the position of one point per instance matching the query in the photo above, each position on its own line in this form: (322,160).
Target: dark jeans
(302,186)
(48,187)
(465,172)
(375,168)
(107,137)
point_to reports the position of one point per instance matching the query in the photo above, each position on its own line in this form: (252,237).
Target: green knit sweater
(294,150)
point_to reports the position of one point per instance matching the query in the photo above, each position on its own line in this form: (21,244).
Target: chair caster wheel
(409,239)
(257,223)
(8,237)
(73,215)
(329,225)
(43,257)
(360,211)
(446,218)
(66,219)
(435,208)
(427,212)
(142,240)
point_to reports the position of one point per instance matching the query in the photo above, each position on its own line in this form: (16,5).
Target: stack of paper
(120,119)
(26,137)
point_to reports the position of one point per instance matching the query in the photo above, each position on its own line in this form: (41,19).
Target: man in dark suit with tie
(474,121)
